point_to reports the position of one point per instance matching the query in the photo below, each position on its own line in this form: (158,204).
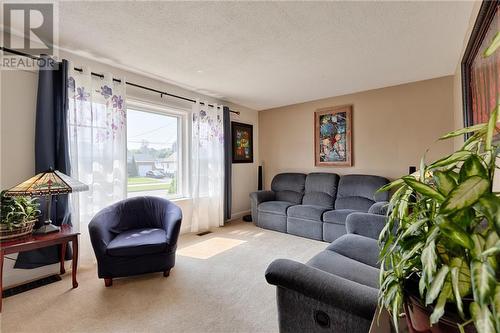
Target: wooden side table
(32,242)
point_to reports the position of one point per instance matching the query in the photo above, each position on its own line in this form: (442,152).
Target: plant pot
(16,232)
(418,319)
(418,314)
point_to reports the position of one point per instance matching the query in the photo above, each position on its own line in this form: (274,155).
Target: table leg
(63,255)
(1,277)
(75,261)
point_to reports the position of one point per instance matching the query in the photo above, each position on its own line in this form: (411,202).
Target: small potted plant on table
(19,215)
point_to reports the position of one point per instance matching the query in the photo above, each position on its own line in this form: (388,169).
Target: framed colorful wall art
(333,136)
(242,135)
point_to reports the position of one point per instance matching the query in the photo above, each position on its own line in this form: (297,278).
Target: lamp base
(46,229)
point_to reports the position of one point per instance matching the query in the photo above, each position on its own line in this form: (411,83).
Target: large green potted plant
(18,216)
(441,244)
(440,250)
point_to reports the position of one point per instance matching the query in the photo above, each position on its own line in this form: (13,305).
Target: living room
(244,166)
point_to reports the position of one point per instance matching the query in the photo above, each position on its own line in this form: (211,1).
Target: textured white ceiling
(268,54)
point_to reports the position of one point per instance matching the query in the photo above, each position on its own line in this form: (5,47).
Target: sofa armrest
(256,198)
(365,224)
(379,208)
(324,287)
(172,223)
(100,231)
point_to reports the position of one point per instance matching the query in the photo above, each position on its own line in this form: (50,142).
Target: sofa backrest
(358,192)
(321,189)
(138,213)
(289,187)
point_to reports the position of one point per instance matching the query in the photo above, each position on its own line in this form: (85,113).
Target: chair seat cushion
(337,264)
(337,216)
(359,248)
(307,212)
(275,207)
(138,242)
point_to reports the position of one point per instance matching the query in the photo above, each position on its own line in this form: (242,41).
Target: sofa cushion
(358,192)
(289,187)
(359,248)
(337,216)
(138,242)
(308,212)
(340,265)
(321,189)
(274,207)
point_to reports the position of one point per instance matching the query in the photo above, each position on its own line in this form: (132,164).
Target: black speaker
(259,181)
(412,169)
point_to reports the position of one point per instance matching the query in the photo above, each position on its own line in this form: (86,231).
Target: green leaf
(422,169)
(441,302)
(472,167)
(454,232)
(429,261)
(436,285)
(483,281)
(452,159)
(489,206)
(423,189)
(413,228)
(495,44)
(463,131)
(473,142)
(491,128)
(464,285)
(463,217)
(465,194)
(387,187)
(444,182)
(492,250)
(496,305)
(478,241)
(456,290)
(483,320)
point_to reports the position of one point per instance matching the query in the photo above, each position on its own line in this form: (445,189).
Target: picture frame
(479,74)
(333,136)
(242,142)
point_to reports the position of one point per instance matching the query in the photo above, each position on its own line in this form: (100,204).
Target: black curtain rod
(116,80)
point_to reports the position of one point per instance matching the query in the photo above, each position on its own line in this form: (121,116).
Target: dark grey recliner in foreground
(135,236)
(335,291)
(316,205)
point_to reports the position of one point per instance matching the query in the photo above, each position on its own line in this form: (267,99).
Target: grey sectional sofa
(335,291)
(316,205)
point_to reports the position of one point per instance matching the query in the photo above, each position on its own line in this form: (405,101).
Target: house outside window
(154,151)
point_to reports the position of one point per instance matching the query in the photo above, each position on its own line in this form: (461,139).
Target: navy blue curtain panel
(51,150)
(228,160)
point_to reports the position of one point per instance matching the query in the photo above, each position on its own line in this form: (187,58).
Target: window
(154,162)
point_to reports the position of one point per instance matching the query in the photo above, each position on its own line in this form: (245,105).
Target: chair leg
(108,282)
(166,273)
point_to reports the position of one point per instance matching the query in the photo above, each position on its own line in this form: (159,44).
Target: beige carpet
(217,285)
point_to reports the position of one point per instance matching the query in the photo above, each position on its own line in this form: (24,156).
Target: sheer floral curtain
(97,144)
(207,167)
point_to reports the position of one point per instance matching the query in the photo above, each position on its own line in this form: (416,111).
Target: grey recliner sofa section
(316,205)
(335,291)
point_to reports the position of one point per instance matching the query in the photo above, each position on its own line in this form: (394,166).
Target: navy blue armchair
(135,236)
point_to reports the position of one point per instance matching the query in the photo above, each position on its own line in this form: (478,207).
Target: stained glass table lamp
(48,183)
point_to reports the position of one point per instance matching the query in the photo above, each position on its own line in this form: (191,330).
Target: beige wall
(244,175)
(392,128)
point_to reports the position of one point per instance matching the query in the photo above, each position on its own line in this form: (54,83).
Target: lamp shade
(45,183)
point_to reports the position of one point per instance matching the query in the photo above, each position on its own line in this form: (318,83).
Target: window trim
(182,116)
